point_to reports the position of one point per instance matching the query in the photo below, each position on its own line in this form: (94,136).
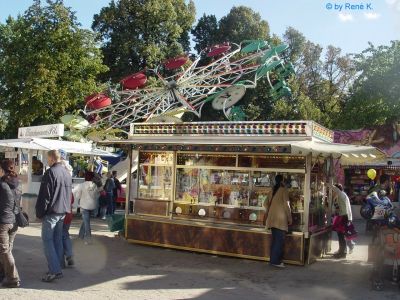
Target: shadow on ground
(112,263)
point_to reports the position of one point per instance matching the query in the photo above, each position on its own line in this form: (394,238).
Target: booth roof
(47,144)
(348,154)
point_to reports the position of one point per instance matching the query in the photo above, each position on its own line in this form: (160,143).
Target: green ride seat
(254,46)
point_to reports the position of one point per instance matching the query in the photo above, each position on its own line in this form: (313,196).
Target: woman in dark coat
(9,202)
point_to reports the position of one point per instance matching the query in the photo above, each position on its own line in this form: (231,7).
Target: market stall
(205,186)
(29,154)
(358,183)
(354,177)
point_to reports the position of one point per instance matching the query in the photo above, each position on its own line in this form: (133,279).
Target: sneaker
(11,284)
(70,261)
(281,265)
(48,277)
(351,250)
(103,218)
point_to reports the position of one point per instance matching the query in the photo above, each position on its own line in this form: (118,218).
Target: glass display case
(155,183)
(231,188)
(155,176)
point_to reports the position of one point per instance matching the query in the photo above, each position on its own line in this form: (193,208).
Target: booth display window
(214,187)
(319,204)
(155,176)
(238,195)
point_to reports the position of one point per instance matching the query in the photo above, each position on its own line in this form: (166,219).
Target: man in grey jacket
(54,201)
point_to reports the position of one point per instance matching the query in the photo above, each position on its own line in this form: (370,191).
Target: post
(170,210)
(29,175)
(330,194)
(307,194)
(128,183)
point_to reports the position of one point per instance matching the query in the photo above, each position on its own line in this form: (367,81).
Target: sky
(349,24)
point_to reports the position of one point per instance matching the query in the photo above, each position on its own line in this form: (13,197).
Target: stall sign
(10,154)
(52,130)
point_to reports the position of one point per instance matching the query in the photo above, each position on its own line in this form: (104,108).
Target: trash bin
(28,203)
(116,222)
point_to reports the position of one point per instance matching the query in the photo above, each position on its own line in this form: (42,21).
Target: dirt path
(113,269)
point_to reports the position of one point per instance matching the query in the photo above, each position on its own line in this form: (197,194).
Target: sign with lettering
(52,130)
(10,154)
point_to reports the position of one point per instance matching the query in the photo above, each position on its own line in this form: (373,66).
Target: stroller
(385,247)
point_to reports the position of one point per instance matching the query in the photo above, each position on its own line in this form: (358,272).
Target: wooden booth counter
(205,186)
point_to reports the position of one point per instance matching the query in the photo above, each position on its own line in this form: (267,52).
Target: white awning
(47,144)
(348,154)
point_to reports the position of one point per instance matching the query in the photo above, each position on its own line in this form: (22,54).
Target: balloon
(371,173)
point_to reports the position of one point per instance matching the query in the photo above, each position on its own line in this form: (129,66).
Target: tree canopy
(48,64)
(240,24)
(375,96)
(139,34)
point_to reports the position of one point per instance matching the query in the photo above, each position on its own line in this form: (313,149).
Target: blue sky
(351,28)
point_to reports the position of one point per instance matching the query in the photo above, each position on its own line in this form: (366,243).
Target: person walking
(279,217)
(343,216)
(118,188)
(9,203)
(53,202)
(87,195)
(109,187)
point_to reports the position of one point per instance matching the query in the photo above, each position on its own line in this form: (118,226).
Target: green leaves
(240,24)
(375,96)
(47,65)
(139,34)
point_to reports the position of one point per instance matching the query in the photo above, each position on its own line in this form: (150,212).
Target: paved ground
(113,269)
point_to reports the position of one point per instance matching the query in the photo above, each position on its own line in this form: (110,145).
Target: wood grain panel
(212,239)
(150,207)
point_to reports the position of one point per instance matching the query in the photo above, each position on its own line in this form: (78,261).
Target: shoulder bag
(21,218)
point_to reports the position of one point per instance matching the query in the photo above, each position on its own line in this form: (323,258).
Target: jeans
(110,203)
(342,243)
(67,243)
(8,270)
(85,232)
(52,237)
(277,243)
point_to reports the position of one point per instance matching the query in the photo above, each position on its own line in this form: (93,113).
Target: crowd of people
(54,210)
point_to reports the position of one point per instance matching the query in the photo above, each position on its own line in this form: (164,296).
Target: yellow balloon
(371,173)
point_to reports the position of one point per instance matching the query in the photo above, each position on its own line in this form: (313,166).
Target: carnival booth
(205,186)
(29,153)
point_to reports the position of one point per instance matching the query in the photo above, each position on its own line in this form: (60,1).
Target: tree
(205,32)
(242,23)
(375,95)
(48,64)
(138,34)
(296,42)
(320,85)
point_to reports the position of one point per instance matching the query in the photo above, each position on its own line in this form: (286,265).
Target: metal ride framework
(223,80)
